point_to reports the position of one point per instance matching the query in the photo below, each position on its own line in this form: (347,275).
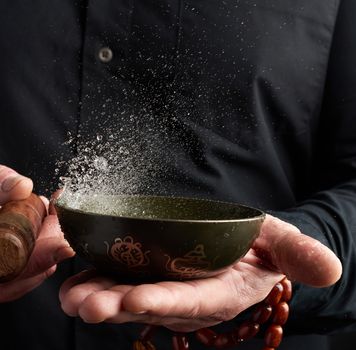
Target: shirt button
(105,54)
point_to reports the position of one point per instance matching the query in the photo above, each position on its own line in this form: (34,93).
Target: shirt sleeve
(329,214)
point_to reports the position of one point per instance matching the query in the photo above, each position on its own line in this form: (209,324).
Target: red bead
(206,336)
(180,342)
(280,313)
(224,340)
(287,289)
(139,345)
(262,313)
(147,332)
(273,336)
(246,331)
(275,295)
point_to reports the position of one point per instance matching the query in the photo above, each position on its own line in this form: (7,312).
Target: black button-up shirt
(246,101)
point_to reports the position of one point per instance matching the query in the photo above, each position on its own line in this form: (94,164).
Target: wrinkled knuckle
(194,312)
(49,272)
(69,307)
(223,315)
(37,266)
(92,309)
(90,314)
(70,302)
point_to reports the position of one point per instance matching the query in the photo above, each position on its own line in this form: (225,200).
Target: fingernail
(140,312)
(63,253)
(10,182)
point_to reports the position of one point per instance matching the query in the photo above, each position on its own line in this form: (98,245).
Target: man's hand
(187,306)
(50,247)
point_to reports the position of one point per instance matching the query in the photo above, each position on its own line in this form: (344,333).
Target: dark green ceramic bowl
(158,238)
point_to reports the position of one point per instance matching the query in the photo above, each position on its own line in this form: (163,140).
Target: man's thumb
(13,186)
(298,256)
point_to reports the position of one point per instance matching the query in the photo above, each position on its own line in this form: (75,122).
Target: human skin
(280,250)
(50,249)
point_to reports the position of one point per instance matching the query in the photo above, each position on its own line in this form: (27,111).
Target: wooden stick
(20,223)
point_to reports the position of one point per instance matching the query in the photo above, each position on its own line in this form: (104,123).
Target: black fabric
(250,101)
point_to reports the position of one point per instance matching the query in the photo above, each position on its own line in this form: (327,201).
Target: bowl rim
(261,215)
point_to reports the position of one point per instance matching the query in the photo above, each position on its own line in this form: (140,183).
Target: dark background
(345,341)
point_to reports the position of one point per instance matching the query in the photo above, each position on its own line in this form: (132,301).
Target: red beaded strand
(206,336)
(180,342)
(262,313)
(287,289)
(274,308)
(144,342)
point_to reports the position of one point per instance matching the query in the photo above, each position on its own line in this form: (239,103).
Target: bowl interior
(158,208)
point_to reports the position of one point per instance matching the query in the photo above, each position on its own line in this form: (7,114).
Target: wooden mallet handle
(20,223)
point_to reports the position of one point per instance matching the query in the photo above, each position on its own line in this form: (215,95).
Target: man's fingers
(47,253)
(106,306)
(72,281)
(314,264)
(45,202)
(218,298)
(178,299)
(73,297)
(13,186)
(50,228)
(222,297)
(50,248)
(100,299)
(100,306)
(300,257)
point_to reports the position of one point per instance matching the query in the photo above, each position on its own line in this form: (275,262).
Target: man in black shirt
(261,105)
